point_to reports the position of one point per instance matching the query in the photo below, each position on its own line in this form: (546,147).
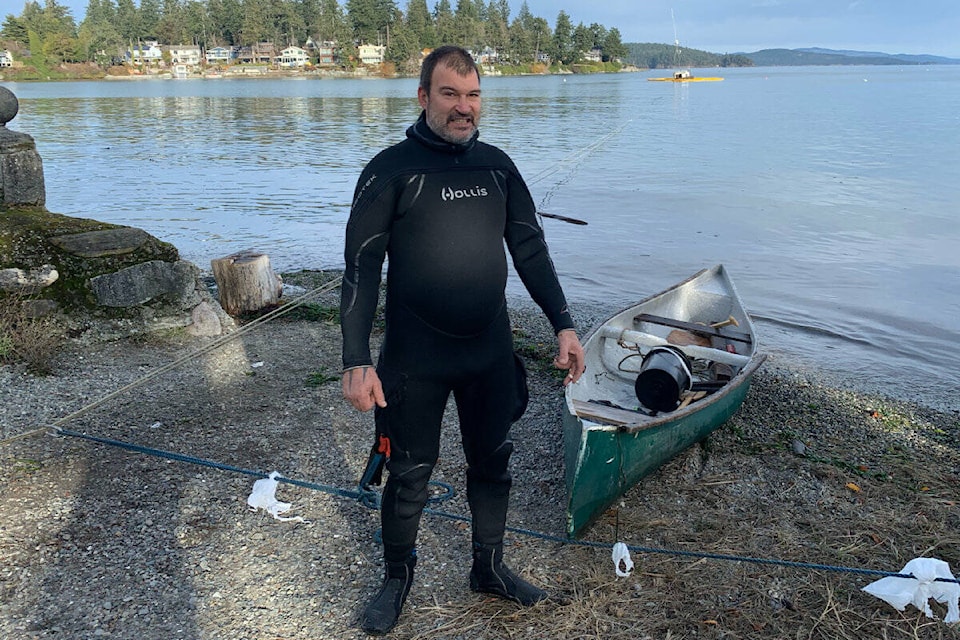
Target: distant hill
(904,58)
(664,56)
(818,56)
(652,55)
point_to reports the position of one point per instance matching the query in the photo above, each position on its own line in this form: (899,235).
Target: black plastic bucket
(664,376)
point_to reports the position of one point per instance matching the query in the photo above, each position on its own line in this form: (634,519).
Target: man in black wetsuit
(441,204)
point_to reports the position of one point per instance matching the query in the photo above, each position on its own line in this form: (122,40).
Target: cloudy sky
(726,26)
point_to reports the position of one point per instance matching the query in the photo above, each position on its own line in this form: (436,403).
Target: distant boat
(681,75)
(661,375)
(685,76)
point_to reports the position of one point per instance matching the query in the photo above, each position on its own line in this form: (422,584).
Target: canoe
(611,439)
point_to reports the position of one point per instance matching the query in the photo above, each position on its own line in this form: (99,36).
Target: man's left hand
(570,356)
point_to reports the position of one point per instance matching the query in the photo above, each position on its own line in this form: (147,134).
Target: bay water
(831,194)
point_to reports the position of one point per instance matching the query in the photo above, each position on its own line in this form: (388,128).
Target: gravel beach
(98,541)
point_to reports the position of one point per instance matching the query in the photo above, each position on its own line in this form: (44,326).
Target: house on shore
(185,54)
(260,53)
(324,52)
(221,55)
(147,53)
(371,54)
(292,58)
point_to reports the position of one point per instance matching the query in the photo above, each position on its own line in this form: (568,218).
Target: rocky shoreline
(98,541)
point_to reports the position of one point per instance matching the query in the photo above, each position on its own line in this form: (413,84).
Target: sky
(730,26)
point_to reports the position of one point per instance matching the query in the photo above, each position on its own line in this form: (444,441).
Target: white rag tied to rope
(621,558)
(899,592)
(264,496)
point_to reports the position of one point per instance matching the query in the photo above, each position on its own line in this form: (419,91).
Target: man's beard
(438,123)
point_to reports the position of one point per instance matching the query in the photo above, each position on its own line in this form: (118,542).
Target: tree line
(112,27)
(665,56)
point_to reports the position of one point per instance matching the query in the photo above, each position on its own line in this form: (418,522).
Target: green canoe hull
(603,462)
(611,440)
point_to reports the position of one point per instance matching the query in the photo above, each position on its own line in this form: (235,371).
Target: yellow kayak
(685,76)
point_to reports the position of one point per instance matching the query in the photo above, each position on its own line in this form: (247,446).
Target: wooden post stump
(246,282)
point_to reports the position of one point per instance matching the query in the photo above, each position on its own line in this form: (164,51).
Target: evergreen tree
(15,28)
(582,38)
(332,24)
(360,14)
(195,21)
(598,36)
(369,19)
(540,35)
(256,25)
(563,49)
(288,26)
(226,18)
(128,21)
(467,30)
(172,27)
(57,19)
(100,11)
(420,25)
(521,43)
(403,48)
(613,47)
(150,14)
(443,18)
(100,42)
(308,12)
(496,30)
(98,38)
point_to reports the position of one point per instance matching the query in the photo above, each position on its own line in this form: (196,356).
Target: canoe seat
(616,416)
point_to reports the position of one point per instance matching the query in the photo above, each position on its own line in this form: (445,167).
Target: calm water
(831,194)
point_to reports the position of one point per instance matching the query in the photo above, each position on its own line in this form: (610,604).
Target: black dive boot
(383,611)
(490,575)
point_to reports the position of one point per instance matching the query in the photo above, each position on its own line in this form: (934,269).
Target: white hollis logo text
(454,194)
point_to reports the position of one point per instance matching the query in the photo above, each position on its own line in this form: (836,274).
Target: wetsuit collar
(422,133)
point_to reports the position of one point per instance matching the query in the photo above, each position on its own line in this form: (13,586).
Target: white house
(594,55)
(6,59)
(188,54)
(371,54)
(146,52)
(292,58)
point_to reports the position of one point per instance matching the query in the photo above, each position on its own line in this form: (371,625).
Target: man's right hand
(362,388)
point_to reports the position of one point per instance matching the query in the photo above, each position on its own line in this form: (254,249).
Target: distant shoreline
(316,74)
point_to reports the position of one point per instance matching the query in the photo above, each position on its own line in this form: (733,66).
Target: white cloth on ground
(264,497)
(899,592)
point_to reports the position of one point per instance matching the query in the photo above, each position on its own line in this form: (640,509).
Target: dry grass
(33,341)
(875,488)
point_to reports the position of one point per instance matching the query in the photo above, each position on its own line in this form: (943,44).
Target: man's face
(453,104)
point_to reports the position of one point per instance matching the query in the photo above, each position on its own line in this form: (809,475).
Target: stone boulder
(106,280)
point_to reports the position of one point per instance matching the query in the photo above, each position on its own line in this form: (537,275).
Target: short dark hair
(457,58)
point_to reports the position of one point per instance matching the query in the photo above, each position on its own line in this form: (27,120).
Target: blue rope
(371,499)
